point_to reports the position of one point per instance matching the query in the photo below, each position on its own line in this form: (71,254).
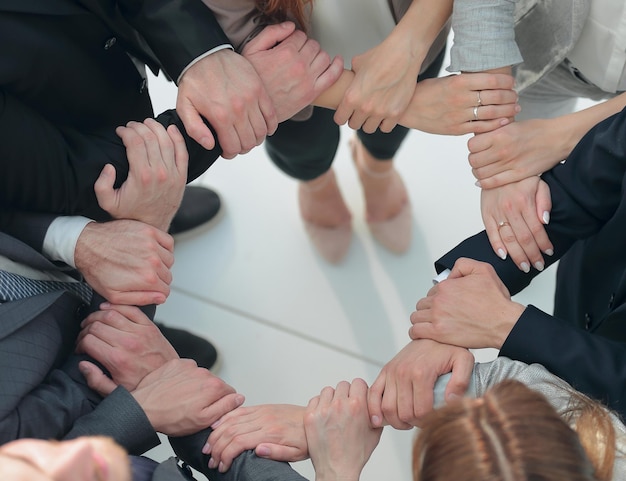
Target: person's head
(281,10)
(512,433)
(81,459)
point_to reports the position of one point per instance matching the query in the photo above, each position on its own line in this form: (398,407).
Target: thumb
(269,37)
(96,379)
(103,187)
(277,452)
(462,267)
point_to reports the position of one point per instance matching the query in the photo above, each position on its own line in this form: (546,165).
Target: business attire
(43,395)
(584,342)
(70,72)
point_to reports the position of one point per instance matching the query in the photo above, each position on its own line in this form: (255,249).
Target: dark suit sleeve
(178,31)
(245,467)
(586,192)
(49,169)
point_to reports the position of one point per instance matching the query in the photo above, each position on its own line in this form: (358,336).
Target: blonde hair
(280,10)
(513,433)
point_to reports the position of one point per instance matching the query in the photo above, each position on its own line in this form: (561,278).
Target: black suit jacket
(585,341)
(67,81)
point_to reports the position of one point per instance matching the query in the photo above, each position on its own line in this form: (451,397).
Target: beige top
(345,27)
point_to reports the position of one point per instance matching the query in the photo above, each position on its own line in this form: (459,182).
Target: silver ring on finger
(480,102)
(476,112)
(502,223)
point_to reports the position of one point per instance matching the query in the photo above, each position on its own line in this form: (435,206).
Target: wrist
(510,316)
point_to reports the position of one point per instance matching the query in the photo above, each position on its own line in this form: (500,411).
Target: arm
(385,76)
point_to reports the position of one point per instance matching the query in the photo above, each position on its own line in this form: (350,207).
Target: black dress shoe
(200,206)
(190,346)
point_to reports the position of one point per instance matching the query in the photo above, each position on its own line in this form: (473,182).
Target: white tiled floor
(287,323)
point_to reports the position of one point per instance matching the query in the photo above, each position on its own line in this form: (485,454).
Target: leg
(305,150)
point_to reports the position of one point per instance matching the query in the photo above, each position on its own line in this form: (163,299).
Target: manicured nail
(221,468)
(539,265)
(477,183)
(525,267)
(549,252)
(501,254)
(212,463)
(375,421)
(206,449)
(546,217)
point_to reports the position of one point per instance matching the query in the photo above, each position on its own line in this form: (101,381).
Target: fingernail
(549,252)
(206,449)
(518,108)
(216,424)
(221,468)
(262,451)
(546,217)
(501,254)
(206,143)
(525,267)
(477,183)
(239,400)
(84,370)
(211,463)
(375,421)
(539,265)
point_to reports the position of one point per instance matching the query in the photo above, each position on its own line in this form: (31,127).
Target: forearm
(569,129)
(492,45)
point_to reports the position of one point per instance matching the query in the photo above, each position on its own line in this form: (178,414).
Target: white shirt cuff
(197,59)
(61,238)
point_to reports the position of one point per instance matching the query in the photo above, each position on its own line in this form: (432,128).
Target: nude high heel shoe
(394,233)
(332,242)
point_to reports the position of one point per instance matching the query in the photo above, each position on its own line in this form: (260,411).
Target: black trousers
(306,149)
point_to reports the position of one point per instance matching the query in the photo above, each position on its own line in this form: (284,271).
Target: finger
(229,141)
(194,125)
(498,180)
(460,378)
(96,379)
(493,234)
(297,40)
(487,81)
(103,188)
(126,316)
(387,125)
(357,119)
(229,447)
(219,408)
(181,155)
(509,235)
(162,151)
(143,149)
(342,390)
(326,396)
(278,452)
(494,97)
(320,63)
(484,126)
(269,37)
(309,50)
(167,242)
(141,297)
(329,77)
(543,200)
(343,113)
(478,144)
(423,401)
(358,389)
(490,112)
(398,404)
(371,124)
(374,400)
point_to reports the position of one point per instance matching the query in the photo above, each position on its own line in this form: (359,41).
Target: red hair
(281,10)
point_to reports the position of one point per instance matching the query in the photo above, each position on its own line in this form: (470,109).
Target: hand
(338,431)
(514,152)
(472,308)
(293,68)
(157,174)
(181,398)
(275,430)
(225,89)
(126,342)
(403,391)
(381,90)
(126,262)
(514,217)
(446,105)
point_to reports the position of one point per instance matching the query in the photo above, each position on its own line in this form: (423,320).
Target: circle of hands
(139,252)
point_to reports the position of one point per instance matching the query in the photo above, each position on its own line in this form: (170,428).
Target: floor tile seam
(277,326)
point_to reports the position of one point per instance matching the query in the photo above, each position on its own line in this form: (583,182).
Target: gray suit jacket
(42,393)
